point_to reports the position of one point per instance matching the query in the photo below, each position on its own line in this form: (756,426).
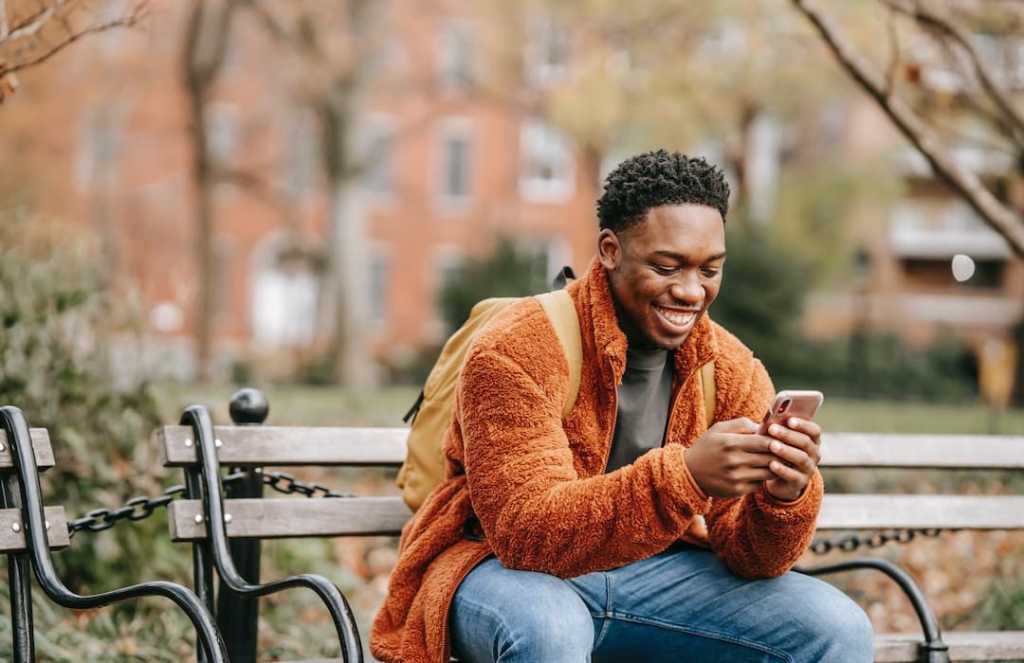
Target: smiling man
(629,530)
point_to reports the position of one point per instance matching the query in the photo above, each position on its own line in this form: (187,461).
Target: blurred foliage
(58,318)
(811,200)
(762,300)
(762,294)
(509,271)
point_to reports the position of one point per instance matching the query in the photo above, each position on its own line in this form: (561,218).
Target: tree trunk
(349,272)
(344,302)
(206,41)
(205,308)
(345,309)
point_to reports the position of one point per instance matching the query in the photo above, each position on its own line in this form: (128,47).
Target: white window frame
(457,54)
(536,136)
(542,31)
(379,126)
(380,309)
(455,128)
(301,158)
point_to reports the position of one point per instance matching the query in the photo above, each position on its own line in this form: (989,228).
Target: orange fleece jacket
(537,482)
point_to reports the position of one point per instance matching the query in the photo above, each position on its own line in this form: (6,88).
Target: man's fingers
(755,474)
(797,440)
(739,425)
(787,473)
(795,457)
(746,442)
(809,428)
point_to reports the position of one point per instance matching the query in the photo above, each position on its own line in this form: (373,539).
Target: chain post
(237,615)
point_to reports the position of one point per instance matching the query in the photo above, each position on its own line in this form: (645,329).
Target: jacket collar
(610,341)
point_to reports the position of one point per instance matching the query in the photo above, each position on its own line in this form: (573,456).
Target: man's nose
(686,288)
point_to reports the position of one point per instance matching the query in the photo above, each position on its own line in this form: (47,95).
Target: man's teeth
(680,318)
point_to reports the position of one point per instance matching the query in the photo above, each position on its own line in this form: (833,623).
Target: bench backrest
(12,535)
(252,446)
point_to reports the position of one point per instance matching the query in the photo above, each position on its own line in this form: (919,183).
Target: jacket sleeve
(758,536)
(535,510)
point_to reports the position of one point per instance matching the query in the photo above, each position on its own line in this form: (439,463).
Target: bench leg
(202,566)
(19,579)
(933,649)
(237,614)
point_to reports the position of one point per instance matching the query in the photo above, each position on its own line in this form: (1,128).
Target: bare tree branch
(72,36)
(1002,219)
(930,20)
(894,58)
(4,28)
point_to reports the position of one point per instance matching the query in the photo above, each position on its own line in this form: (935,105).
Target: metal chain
(285,483)
(852,542)
(140,508)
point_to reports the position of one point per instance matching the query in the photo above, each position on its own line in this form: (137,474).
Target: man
(591,544)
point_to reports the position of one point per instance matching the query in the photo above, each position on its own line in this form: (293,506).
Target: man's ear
(609,249)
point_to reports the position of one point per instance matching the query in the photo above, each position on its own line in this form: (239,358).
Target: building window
(378,178)
(547,171)
(283,309)
(458,55)
(98,150)
(548,52)
(456,162)
(222,132)
(301,155)
(380,286)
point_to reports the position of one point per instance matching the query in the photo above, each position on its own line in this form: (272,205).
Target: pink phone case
(792,403)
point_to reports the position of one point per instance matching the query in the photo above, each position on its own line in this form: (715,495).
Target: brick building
(453,168)
(102,137)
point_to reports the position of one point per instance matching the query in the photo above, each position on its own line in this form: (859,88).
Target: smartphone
(791,403)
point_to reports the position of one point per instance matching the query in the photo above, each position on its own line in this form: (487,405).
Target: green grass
(297,405)
(334,406)
(845,415)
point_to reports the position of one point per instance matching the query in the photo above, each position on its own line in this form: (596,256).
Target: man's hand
(731,459)
(796,451)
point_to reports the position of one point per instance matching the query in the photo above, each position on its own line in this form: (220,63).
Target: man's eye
(710,272)
(661,269)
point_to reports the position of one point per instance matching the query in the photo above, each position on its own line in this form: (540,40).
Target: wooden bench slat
(923,451)
(11,541)
(963,646)
(279,518)
(974,512)
(40,445)
(273,445)
(285,518)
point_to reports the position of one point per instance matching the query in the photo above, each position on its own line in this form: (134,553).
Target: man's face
(664,272)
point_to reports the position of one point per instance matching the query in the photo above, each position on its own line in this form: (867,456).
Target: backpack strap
(707,386)
(562,313)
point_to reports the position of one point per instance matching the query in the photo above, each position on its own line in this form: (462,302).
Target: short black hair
(659,178)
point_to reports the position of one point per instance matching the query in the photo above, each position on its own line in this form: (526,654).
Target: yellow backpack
(431,415)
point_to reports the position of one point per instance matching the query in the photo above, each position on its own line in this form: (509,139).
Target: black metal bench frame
(21,490)
(236,608)
(250,408)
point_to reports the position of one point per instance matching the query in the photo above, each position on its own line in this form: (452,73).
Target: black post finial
(249,406)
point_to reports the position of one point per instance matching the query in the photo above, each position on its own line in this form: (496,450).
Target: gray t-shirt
(645,396)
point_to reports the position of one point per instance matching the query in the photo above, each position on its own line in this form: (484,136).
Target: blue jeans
(680,605)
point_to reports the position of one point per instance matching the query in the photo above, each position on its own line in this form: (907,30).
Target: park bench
(28,532)
(247,519)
